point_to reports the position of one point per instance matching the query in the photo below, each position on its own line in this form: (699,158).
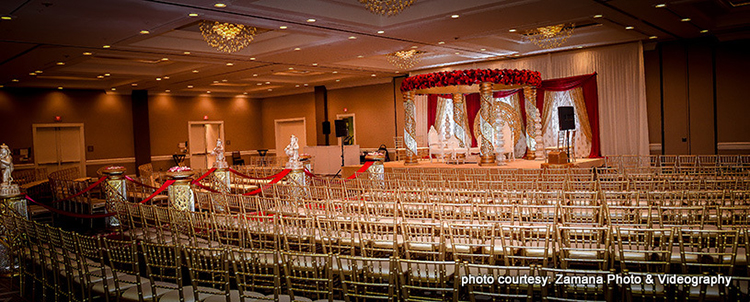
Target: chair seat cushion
(234,296)
(188,294)
(131,294)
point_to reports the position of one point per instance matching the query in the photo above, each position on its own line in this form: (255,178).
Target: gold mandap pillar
(115,190)
(410,128)
(534,139)
(181,195)
(486,118)
(459,119)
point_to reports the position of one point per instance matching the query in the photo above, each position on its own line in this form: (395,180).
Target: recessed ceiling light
(230,64)
(60,63)
(195,71)
(441,43)
(268,83)
(512,30)
(629,27)
(158,79)
(335,71)
(106,46)
(597,16)
(306,85)
(660,5)
(397,71)
(455,16)
(252,59)
(107,74)
(315,64)
(220,5)
(415,46)
(685,19)
(652,37)
(373,75)
(190,86)
(245,93)
(255,74)
(14,80)
(352,38)
(283,27)
(192,15)
(483,49)
(32,73)
(360,56)
(381,31)
(216,82)
(165,59)
(145,32)
(516,55)
(186,53)
(296,85)
(224,80)
(291,68)
(259,84)
(704,31)
(59,88)
(269,89)
(209,91)
(87,53)
(1,86)
(297,49)
(39,71)
(167,91)
(458,53)
(113,89)
(100,77)
(6,18)
(166,78)
(311,20)
(579,47)
(134,84)
(338,80)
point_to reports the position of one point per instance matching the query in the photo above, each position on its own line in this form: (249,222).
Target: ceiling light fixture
(220,5)
(283,27)
(227,37)
(660,5)
(167,91)
(381,31)
(311,20)
(14,80)
(230,64)
(352,38)
(314,64)
(652,37)
(190,86)
(134,84)
(32,73)
(298,49)
(107,74)
(597,16)
(441,43)
(187,53)
(7,17)
(145,32)
(195,71)
(106,46)
(60,63)
(59,88)
(405,59)
(113,89)
(100,77)
(192,15)
(87,53)
(704,31)
(512,30)
(455,16)
(386,8)
(629,27)
(685,19)
(550,36)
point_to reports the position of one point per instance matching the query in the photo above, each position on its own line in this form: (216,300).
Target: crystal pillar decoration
(17,202)
(486,118)
(410,129)
(296,179)
(222,177)
(376,171)
(181,195)
(115,190)
(461,128)
(534,138)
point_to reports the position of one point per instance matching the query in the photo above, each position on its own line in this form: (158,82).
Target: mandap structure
(485,82)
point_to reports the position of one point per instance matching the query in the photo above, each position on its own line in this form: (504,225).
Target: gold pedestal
(410,160)
(486,160)
(115,190)
(222,176)
(17,202)
(181,195)
(529,154)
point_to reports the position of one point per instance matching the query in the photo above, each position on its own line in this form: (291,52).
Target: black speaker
(326,127)
(341,128)
(566,118)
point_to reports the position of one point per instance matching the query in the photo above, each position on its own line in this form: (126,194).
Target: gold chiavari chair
(666,198)
(708,160)
(208,269)
(122,259)
(620,198)
(552,186)
(422,280)
(570,291)
(473,242)
(536,214)
(156,223)
(309,276)
(544,198)
(707,252)
(728,160)
(338,235)
(720,184)
(226,229)
(417,212)
(682,217)
(261,232)
(62,264)
(424,241)
(91,254)
(527,245)
(164,269)
(257,276)
(687,160)
(668,160)
(631,216)
(503,288)
(367,279)
(582,185)
(446,212)
(613,185)
(496,213)
(587,198)
(378,239)
(381,211)
(583,247)
(583,215)
(644,252)
(298,234)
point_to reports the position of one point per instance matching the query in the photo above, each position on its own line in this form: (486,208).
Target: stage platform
(516,164)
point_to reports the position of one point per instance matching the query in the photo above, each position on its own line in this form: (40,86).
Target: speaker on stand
(567,121)
(342,131)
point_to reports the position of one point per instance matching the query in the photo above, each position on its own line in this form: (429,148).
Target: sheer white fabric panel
(444,118)
(420,102)
(520,148)
(621,85)
(550,133)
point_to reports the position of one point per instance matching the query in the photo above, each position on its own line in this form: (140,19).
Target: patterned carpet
(7,293)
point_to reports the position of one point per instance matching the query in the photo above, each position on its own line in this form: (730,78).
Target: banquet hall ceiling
(57,43)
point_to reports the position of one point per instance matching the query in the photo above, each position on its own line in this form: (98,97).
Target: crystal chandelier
(386,8)
(227,37)
(550,36)
(405,59)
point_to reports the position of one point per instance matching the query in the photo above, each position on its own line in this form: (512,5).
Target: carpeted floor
(8,293)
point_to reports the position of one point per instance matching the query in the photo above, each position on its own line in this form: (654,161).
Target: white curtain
(551,131)
(505,135)
(420,102)
(444,118)
(621,86)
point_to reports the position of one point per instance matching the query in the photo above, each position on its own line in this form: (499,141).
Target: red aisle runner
(71,214)
(89,188)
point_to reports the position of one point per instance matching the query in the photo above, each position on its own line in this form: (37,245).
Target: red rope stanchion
(205,188)
(139,183)
(308,173)
(276,179)
(89,188)
(250,177)
(71,214)
(159,190)
(204,175)
(361,170)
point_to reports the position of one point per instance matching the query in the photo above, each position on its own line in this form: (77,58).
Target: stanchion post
(181,195)
(115,190)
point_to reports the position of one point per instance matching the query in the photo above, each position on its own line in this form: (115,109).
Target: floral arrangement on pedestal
(180,172)
(469,77)
(114,170)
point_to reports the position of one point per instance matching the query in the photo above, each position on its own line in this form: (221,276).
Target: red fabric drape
(432,100)
(473,103)
(590,97)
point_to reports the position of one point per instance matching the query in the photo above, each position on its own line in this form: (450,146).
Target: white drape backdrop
(621,88)
(420,102)
(550,133)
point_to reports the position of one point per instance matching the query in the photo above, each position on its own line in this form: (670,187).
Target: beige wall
(372,107)
(169,116)
(286,107)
